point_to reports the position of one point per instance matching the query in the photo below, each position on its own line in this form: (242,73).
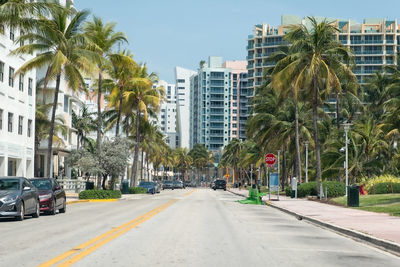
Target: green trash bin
(89,185)
(353,198)
(125,187)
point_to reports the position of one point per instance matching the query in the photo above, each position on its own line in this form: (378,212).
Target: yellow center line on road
(190,192)
(85,248)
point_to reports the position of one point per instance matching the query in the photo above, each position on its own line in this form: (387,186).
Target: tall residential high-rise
(375,43)
(166,118)
(214,102)
(239,106)
(182,82)
(17,109)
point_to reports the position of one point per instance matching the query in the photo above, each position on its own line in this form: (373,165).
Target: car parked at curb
(168,185)
(52,196)
(18,197)
(150,186)
(178,185)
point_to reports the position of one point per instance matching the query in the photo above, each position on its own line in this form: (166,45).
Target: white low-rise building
(17,110)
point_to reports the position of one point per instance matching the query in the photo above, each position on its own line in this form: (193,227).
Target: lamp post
(306,144)
(346,127)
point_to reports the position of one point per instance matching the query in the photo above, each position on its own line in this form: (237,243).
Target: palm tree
(231,155)
(141,95)
(42,124)
(121,69)
(317,64)
(60,47)
(103,38)
(83,123)
(182,160)
(23,13)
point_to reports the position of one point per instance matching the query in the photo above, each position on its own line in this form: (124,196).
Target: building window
(30,86)
(235,111)
(1,71)
(29,128)
(21,82)
(66,103)
(11,77)
(10,122)
(234,132)
(1,119)
(12,37)
(234,125)
(235,118)
(21,43)
(181,80)
(20,121)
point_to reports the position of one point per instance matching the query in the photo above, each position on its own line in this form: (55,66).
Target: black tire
(53,211)
(21,215)
(224,189)
(64,208)
(215,189)
(36,214)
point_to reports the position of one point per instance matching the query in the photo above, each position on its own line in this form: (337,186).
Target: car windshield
(9,184)
(145,184)
(44,184)
(168,182)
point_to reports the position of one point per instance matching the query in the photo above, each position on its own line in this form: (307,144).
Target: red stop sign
(270,159)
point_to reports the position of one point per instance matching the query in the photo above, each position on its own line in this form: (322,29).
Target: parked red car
(51,194)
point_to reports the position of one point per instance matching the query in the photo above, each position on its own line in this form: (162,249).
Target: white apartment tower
(166,118)
(182,81)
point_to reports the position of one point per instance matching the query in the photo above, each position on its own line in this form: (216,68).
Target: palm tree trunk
(148,171)
(284,168)
(119,111)
(136,155)
(316,141)
(338,111)
(296,126)
(142,165)
(51,132)
(99,124)
(77,141)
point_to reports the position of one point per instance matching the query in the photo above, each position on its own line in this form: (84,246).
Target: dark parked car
(168,185)
(18,197)
(51,194)
(150,186)
(178,185)
(220,184)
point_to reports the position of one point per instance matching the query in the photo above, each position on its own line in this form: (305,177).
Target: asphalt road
(178,228)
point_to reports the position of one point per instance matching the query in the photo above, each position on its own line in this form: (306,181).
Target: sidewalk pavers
(379,229)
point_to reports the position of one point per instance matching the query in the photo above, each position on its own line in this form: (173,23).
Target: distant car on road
(150,186)
(168,185)
(51,194)
(18,197)
(178,184)
(220,184)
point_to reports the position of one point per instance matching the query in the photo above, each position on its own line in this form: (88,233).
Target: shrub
(385,188)
(335,189)
(99,194)
(137,190)
(370,182)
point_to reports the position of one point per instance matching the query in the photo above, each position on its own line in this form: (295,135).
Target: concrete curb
(241,195)
(386,245)
(91,200)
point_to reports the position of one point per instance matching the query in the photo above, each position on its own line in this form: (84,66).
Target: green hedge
(385,188)
(335,189)
(137,190)
(99,194)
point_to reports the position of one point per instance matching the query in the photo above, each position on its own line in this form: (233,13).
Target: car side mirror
(26,188)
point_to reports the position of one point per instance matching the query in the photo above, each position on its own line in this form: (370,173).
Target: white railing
(72,185)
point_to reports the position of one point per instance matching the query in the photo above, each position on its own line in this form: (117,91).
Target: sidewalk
(379,229)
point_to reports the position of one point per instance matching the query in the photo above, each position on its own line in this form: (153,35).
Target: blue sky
(169,33)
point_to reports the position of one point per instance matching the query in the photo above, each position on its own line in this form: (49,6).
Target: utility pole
(306,144)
